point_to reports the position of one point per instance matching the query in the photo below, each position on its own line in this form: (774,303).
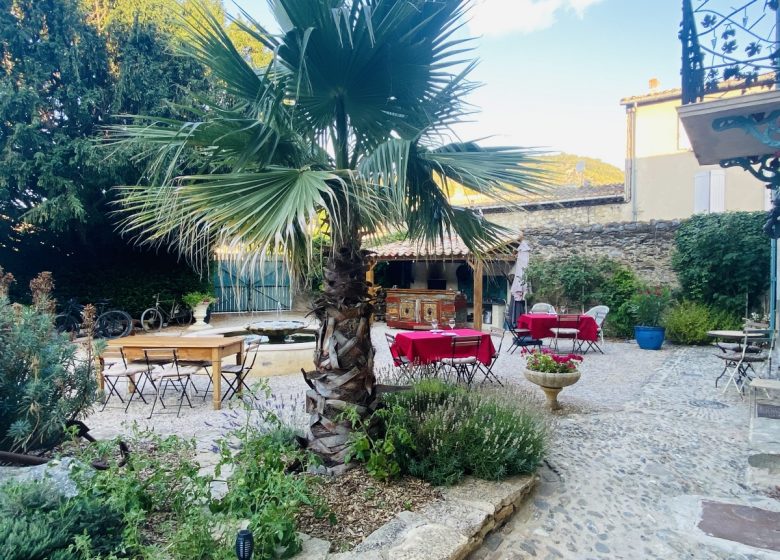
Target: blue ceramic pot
(649,338)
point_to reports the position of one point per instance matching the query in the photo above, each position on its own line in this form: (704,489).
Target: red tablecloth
(426,347)
(540,324)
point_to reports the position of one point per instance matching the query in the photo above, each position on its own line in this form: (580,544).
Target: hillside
(596,172)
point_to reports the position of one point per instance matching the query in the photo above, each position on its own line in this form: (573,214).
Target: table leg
(101,364)
(240,362)
(216,379)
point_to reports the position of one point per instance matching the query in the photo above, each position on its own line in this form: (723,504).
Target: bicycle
(155,318)
(113,323)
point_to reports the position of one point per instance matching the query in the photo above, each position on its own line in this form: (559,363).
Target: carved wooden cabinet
(415,309)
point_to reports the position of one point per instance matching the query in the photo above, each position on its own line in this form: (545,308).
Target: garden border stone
(449,529)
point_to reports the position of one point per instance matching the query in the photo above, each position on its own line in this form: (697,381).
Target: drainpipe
(631,178)
(773,286)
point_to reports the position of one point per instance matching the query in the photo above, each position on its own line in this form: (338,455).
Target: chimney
(654,84)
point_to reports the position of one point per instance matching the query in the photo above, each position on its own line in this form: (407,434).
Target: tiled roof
(449,248)
(552,195)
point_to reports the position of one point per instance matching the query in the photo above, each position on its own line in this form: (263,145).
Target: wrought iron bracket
(763,127)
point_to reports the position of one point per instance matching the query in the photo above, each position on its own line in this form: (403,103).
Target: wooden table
(194,348)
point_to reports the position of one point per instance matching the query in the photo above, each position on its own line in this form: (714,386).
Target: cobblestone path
(645,436)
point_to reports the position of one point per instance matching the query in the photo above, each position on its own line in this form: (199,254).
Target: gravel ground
(640,437)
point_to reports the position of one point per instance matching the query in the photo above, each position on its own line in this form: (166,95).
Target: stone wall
(646,247)
(602,211)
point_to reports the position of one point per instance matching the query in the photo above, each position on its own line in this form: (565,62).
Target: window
(709,192)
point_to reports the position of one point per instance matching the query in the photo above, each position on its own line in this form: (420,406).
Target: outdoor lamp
(245,545)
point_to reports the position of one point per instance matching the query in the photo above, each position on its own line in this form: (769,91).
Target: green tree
(54,90)
(722,259)
(342,135)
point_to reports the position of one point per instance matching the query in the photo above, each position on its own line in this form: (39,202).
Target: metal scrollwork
(762,127)
(727,42)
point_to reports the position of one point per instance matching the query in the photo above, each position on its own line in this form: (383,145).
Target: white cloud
(502,17)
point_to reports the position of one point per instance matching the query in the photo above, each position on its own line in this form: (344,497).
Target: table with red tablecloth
(427,347)
(540,324)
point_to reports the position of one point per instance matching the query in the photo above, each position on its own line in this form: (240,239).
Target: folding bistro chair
(168,373)
(463,366)
(568,326)
(488,369)
(239,372)
(399,360)
(520,337)
(739,365)
(117,368)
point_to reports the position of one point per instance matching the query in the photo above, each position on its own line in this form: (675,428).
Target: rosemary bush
(44,380)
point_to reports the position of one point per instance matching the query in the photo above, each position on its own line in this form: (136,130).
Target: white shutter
(718,190)
(701,192)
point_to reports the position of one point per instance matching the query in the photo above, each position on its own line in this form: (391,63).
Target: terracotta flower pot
(552,383)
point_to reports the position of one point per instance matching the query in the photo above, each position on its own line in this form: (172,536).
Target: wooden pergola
(450,249)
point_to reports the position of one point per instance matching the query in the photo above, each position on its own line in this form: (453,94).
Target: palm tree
(344,132)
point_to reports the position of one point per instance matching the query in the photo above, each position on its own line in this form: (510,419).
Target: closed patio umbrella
(519,289)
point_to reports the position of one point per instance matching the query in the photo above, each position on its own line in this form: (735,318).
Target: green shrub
(44,382)
(722,258)
(688,323)
(38,523)
(580,283)
(441,433)
(260,489)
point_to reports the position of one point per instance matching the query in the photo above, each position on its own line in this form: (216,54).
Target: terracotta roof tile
(449,248)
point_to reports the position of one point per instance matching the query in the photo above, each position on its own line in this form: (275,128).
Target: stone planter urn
(199,312)
(552,383)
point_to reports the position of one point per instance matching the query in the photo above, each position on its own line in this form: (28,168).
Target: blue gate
(267,288)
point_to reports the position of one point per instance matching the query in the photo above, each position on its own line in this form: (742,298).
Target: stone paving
(644,438)
(641,440)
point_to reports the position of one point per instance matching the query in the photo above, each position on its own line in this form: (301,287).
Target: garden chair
(166,371)
(599,314)
(521,338)
(543,308)
(239,372)
(487,370)
(116,368)
(464,367)
(568,326)
(204,368)
(400,361)
(738,365)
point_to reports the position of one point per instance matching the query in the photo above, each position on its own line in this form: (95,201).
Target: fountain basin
(276,331)
(294,352)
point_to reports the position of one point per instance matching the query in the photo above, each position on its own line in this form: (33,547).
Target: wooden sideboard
(415,309)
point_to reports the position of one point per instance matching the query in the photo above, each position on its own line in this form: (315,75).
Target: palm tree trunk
(344,356)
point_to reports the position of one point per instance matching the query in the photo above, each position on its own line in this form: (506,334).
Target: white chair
(599,314)
(543,308)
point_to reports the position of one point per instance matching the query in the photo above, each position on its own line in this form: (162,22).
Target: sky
(554,71)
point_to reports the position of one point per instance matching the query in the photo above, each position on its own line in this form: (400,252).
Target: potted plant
(552,372)
(647,308)
(199,303)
